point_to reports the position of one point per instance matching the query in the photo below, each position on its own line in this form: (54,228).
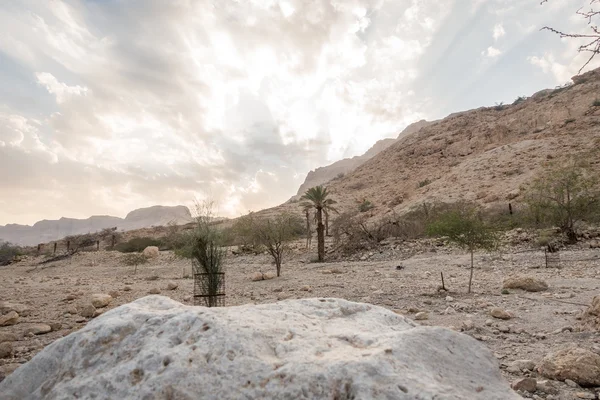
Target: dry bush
(8,253)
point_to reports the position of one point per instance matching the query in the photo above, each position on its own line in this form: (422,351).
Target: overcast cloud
(107,106)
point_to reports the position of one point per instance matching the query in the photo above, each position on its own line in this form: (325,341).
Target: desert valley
(455,259)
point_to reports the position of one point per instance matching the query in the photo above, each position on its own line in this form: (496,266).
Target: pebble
(421,316)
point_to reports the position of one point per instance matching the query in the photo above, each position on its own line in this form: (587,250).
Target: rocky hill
(49,230)
(484,155)
(339,168)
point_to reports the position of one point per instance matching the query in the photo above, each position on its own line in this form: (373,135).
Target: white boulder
(156,347)
(151,252)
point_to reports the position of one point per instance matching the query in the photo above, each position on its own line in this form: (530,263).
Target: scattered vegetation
(134,259)
(467,229)
(365,206)
(81,242)
(499,106)
(519,100)
(423,183)
(569,121)
(596,103)
(562,196)
(275,234)
(137,245)
(318,198)
(8,253)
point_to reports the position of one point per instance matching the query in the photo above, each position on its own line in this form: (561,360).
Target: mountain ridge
(48,230)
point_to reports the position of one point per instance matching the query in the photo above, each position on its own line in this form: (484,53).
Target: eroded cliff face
(325,174)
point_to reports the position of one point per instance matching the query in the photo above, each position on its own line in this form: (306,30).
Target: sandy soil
(542,321)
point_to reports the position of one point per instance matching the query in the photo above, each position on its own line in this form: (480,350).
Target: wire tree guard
(209,288)
(552,257)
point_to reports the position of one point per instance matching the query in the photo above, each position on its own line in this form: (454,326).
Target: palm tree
(317,198)
(306,206)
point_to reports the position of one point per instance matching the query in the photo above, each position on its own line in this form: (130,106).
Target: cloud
(61,90)
(498,31)
(491,52)
(113,105)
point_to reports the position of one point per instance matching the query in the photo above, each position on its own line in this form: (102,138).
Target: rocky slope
(48,230)
(325,174)
(484,155)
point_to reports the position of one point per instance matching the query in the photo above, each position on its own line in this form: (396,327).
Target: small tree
(562,196)
(207,254)
(465,228)
(306,207)
(274,234)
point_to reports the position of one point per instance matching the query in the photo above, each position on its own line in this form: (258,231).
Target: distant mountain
(48,230)
(325,174)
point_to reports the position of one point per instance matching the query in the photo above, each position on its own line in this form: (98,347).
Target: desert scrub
(423,183)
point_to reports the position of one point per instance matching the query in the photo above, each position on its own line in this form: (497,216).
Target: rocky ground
(55,299)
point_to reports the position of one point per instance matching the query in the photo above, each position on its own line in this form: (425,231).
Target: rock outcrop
(579,365)
(325,174)
(156,347)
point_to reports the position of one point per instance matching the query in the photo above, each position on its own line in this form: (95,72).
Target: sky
(111,105)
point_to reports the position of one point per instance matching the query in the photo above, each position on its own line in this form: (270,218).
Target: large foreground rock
(577,364)
(157,348)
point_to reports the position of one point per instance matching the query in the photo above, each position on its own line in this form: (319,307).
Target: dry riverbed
(54,296)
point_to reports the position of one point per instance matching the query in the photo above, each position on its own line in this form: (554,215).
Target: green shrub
(8,252)
(365,206)
(137,244)
(423,183)
(570,120)
(596,103)
(505,291)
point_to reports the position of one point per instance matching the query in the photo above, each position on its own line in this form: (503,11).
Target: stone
(7,337)
(420,316)
(70,297)
(151,252)
(154,291)
(172,285)
(571,383)
(499,313)
(449,298)
(100,300)
(327,349)
(527,283)
(127,289)
(9,319)
(38,329)
(269,275)
(257,276)
(467,325)
(55,326)
(6,349)
(114,294)
(306,288)
(87,311)
(580,365)
(585,395)
(21,309)
(525,384)
(546,387)
(518,366)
